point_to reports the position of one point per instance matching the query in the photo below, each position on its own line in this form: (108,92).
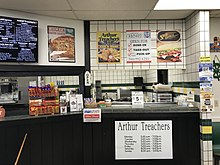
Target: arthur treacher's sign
(150,139)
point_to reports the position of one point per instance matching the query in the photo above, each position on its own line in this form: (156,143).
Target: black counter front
(65,139)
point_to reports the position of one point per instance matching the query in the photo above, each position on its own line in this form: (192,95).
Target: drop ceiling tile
(214,12)
(113,4)
(161,14)
(58,14)
(111,15)
(35,4)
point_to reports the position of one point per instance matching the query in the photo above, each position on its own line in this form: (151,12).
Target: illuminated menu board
(18,40)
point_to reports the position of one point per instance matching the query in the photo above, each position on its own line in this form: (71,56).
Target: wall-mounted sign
(215,45)
(206,59)
(61,44)
(143,139)
(87,78)
(206,102)
(137,99)
(138,46)
(92,115)
(169,46)
(205,87)
(108,47)
(205,72)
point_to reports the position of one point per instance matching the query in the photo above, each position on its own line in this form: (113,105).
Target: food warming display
(18,40)
(43,100)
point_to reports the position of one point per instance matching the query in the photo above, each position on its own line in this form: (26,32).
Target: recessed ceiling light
(187,4)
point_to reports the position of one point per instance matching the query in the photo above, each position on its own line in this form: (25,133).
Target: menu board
(18,40)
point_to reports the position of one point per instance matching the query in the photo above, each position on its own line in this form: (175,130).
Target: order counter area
(63,139)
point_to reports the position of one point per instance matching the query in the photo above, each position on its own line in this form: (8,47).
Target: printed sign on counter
(92,115)
(137,99)
(143,139)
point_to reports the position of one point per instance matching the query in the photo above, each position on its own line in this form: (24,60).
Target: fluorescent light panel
(187,4)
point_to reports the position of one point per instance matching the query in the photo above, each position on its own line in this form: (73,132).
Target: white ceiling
(95,9)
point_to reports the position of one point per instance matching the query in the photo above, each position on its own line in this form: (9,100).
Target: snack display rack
(43,100)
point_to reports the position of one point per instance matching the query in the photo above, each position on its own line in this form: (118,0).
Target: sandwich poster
(61,44)
(138,46)
(169,46)
(108,47)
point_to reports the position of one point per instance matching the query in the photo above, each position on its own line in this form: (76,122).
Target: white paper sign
(143,139)
(92,115)
(138,46)
(87,78)
(137,99)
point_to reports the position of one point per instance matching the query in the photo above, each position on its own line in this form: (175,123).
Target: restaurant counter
(63,139)
(117,107)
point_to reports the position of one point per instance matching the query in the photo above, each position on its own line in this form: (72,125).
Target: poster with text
(137,99)
(138,46)
(142,139)
(61,44)
(206,102)
(92,115)
(108,47)
(215,44)
(169,46)
(205,72)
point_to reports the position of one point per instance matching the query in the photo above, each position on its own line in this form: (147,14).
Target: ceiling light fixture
(187,5)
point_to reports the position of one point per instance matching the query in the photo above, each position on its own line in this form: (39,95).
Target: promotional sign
(137,99)
(205,87)
(205,71)
(108,47)
(169,46)
(87,78)
(61,44)
(150,139)
(138,46)
(92,115)
(190,96)
(206,59)
(215,45)
(206,101)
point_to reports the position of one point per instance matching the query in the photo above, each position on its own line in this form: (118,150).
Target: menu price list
(18,40)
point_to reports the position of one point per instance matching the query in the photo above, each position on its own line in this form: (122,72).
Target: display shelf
(43,100)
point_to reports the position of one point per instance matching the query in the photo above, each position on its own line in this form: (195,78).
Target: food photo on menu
(61,44)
